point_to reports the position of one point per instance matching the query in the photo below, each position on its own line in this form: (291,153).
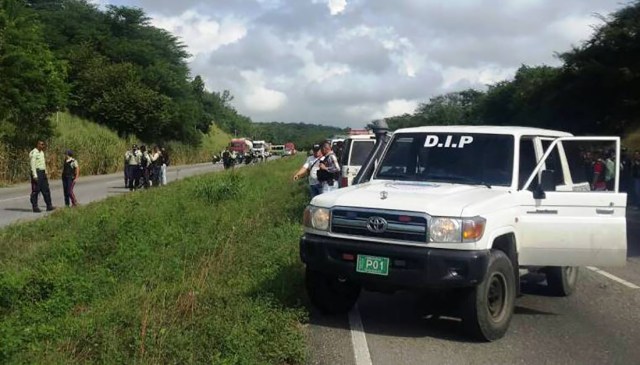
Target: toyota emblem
(377,224)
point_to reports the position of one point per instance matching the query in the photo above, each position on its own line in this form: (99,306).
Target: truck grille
(399,225)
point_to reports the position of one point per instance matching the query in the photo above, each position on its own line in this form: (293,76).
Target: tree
(31,79)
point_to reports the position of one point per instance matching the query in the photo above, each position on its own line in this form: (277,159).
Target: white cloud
(457,78)
(201,33)
(337,6)
(258,98)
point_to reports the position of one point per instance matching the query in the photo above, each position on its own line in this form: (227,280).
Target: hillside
(98,149)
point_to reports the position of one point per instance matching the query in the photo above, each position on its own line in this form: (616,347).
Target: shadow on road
(18,209)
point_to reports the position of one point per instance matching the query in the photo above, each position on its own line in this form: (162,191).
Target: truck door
(567,216)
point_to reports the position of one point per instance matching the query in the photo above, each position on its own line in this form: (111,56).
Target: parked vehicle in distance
(278,150)
(290,149)
(355,152)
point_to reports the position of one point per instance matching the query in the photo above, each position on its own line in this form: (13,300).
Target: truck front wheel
(488,307)
(331,294)
(562,280)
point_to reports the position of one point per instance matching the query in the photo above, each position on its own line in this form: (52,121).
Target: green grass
(99,150)
(205,270)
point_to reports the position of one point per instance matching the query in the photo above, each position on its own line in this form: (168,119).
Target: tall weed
(98,149)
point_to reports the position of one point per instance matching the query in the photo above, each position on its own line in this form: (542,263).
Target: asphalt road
(599,324)
(15,205)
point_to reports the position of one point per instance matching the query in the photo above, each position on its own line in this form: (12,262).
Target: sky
(347,62)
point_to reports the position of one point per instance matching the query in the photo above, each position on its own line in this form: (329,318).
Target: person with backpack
(311,166)
(70,173)
(329,169)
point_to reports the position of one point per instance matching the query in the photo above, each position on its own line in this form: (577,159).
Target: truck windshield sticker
(449,142)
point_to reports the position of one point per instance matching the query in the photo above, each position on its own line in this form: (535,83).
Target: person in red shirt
(598,183)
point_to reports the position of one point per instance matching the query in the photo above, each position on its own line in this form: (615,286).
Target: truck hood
(436,199)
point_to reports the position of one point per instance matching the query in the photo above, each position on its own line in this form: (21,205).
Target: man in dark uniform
(39,181)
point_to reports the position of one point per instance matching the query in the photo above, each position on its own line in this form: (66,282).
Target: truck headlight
(317,218)
(445,230)
(456,230)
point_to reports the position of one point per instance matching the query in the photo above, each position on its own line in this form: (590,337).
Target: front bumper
(410,267)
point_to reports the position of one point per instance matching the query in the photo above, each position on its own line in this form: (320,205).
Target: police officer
(133,164)
(39,181)
(145,161)
(70,172)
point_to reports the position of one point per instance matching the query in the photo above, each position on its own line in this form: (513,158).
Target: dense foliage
(113,67)
(595,91)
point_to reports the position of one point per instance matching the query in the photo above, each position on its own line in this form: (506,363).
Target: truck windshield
(257,145)
(475,159)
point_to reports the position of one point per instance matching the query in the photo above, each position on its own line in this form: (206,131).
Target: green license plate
(373,265)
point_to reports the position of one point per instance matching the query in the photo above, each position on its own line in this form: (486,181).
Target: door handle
(543,211)
(604,211)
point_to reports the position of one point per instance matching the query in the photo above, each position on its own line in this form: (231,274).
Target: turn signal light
(472,229)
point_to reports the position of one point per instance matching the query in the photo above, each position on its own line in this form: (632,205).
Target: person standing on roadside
(145,160)
(39,180)
(311,166)
(70,173)
(133,163)
(330,169)
(163,167)
(635,175)
(156,162)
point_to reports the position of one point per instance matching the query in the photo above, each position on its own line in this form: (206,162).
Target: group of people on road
(323,170)
(600,170)
(143,169)
(40,181)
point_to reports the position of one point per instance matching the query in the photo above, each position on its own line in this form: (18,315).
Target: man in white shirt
(311,166)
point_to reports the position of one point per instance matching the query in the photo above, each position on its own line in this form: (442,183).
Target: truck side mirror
(547,180)
(547,183)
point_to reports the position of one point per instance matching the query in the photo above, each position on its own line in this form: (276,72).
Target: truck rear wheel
(329,293)
(488,307)
(562,280)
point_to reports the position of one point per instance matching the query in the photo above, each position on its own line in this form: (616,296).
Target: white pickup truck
(461,211)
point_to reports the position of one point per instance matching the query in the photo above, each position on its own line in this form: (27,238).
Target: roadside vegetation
(205,270)
(98,149)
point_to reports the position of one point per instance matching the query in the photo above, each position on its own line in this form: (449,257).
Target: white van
(355,152)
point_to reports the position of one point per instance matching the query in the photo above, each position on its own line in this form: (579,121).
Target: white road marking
(613,277)
(16,198)
(358,338)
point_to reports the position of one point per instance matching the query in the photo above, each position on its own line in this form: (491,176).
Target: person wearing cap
(70,172)
(132,160)
(310,166)
(39,180)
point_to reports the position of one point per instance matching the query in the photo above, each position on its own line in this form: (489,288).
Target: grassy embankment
(98,149)
(205,270)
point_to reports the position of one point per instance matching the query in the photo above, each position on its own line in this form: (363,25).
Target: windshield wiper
(455,178)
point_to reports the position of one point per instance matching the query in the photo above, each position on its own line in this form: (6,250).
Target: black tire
(329,294)
(488,307)
(562,280)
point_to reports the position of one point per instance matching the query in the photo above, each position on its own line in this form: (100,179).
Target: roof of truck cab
(486,129)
